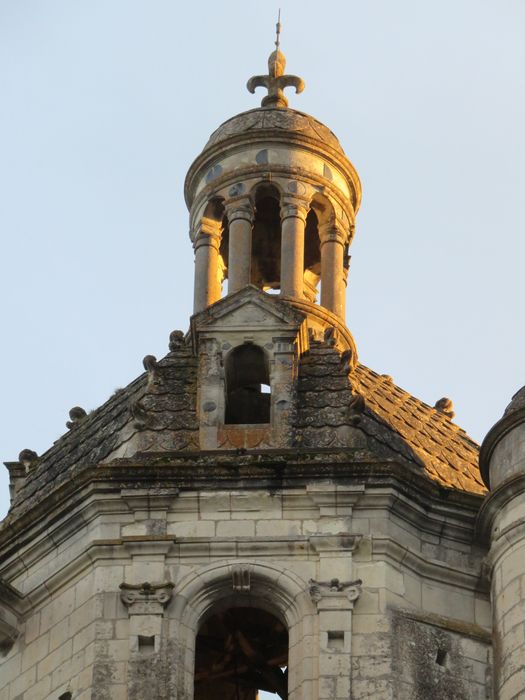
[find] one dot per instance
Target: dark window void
(312, 256)
(65, 696)
(441, 657)
(224, 253)
(266, 240)
(239, 652)
(248, 396)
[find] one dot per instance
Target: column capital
(239, 208)
(146, 598)
(334, 594)
(332, 231)
(208, 232)
(293, 207)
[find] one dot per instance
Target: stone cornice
(255, 469)
(239, 142)
(276, 171)
(111, 551)
(431, 569)
(467, 629)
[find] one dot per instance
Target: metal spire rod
(278, 31)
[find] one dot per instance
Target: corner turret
(502, 520)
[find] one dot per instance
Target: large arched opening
(239, 653)
(262, 586)
(215, 211)
(312, 256)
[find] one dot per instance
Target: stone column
(240, 220)
(293, 222)
(207, 285)
(332, 272)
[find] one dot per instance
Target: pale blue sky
(105, 103)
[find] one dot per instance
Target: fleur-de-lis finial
(275, 82)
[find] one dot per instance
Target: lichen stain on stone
(104, 673)
(428, 659)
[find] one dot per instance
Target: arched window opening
(215, 222)
(248, 395)
(223, 256)
(240, 652)
(266, 240)
(312, 256)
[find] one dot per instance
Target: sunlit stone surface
(258, 511)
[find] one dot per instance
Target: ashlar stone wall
(382, 598)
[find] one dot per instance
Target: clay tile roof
(157, 411)
(447, 453)
(167, 405)
(394, 421)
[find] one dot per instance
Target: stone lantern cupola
(272, 201)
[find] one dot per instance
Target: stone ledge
(468, 629)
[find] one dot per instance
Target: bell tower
(257, 510)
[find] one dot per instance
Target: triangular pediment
(249, 307)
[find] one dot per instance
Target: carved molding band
(146, 598)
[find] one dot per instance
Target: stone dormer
(249, 345)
